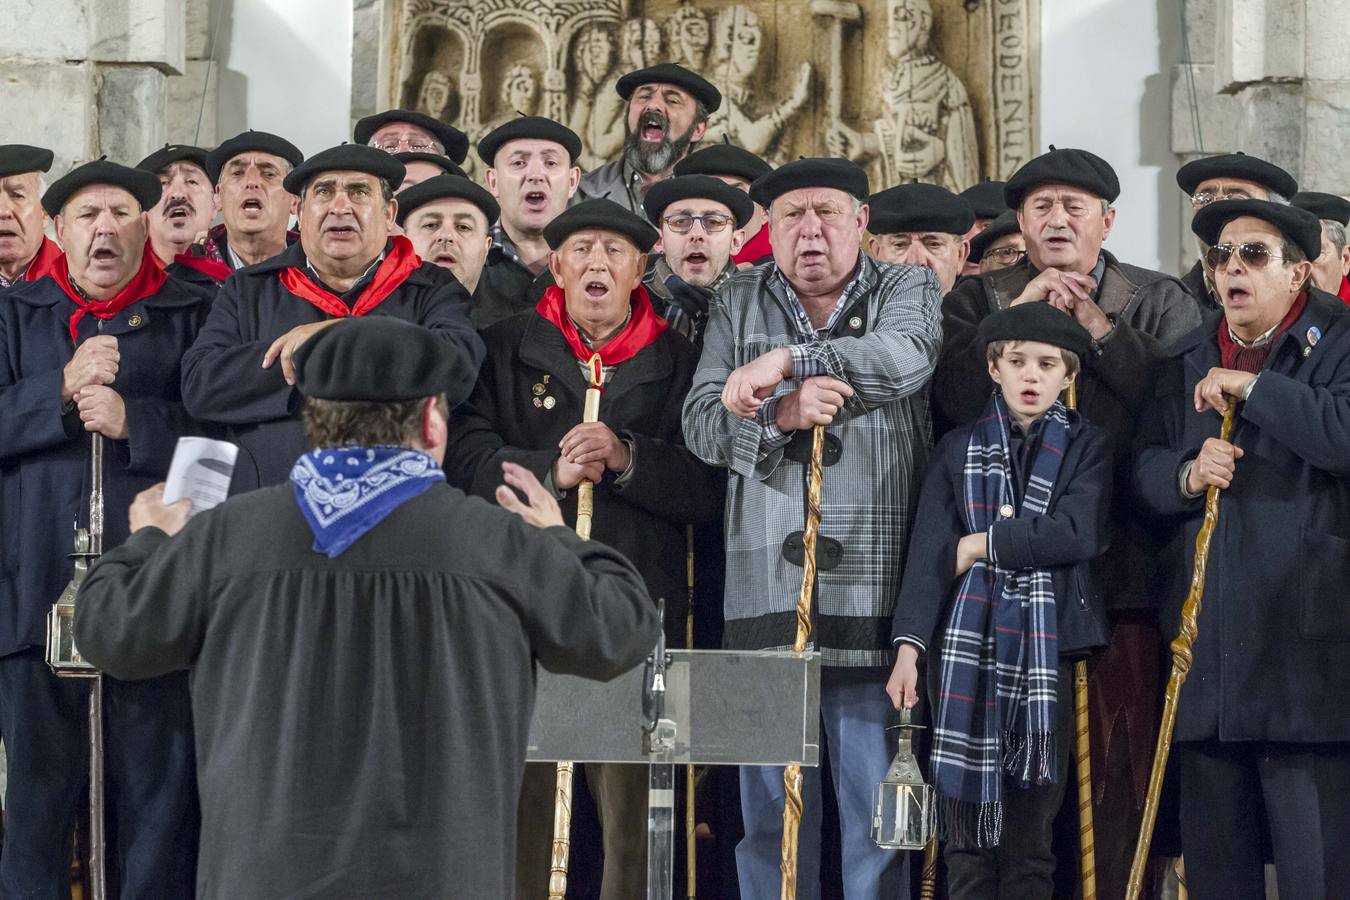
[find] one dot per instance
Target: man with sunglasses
(921, 224)
(999, 245)
(1063, 202)
(406, 131)
(701, 220)
(1228, 176)
(1262, 741)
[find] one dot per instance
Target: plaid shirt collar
(805, 330)
(503, 243)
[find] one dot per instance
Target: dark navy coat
(1272, 659)
(1066, 540)
(44, 450)
(223, 378)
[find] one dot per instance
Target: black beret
(169, 154)
(347, 158)
(810, 171)
(600, 213)
(443, 187)
(671, 73)
(251, 142)
(1004, 225)
(16, 159)
(142, 185)
(1038, 322)
(1298, 225)
(1236, 165)
(1077, 168)
(380, 359)
(456, 142)
(723, 159)
(919, 207)
(1324, 206)
(446, 163)
(536, 128)
(986, 198)
(701, 187)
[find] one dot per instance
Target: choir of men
(355, 628)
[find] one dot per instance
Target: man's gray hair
(1335, 234)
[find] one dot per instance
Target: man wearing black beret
(668, 109)
(999, 245)
(186, 207)
(418, 167)
(986, 198)
(920, 224)
(700, 219)
(382, 626)
(93, 347)
(26, 253)
(596, 322)
(737, 167)
(532, 171)
(1262, 723)
(449, 219)
(1063, 201)
(1333, 264)
(404, 131)
(247, 171)
(240, 373)
(1227, 176)
(822, 336)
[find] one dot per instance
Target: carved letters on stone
(938, 90)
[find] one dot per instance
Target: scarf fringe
(1030, 759)
(965, 825)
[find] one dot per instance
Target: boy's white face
(1031, 375)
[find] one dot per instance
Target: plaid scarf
(998, 667)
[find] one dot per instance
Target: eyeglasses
(400, 144)
(1256, 255)
(1005, 256)
(712, 223)
(1204, 198)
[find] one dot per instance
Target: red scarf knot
(149, 278)
(643, 328)
(1253, 359)
(400, 262)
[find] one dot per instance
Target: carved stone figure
(688, 37)
(928, 131)
(595, 104)
(435, 94)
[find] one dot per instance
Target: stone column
(88, 77)
(200, 76)
(1270, 78)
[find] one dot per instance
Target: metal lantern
(904, 814)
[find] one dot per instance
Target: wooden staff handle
(562, 787)
(792, 775)
(1182, 658)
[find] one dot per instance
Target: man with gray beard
(668, 109)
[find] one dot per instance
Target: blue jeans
(854, 711)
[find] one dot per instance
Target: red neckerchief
(1253, 359)
(397, 265)
(1344, 292)
(148, 279)
(643, 327)
(755, 248)
(204, 264)
(45, 261)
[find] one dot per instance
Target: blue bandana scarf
(346, 491)
(998, 665)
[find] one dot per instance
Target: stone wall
(1270, 78)
(93, 77)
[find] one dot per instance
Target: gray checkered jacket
(885, 345)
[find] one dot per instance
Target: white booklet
(200, 471)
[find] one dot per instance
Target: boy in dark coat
(1014, 506)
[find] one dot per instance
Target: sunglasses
(1201, 199)
(1005, 255)
(712, 223)
(1256, 255)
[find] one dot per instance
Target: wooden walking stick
(690, 813)
(1086, 836)
(792, 775)
(1181, 667)
(562, 791)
